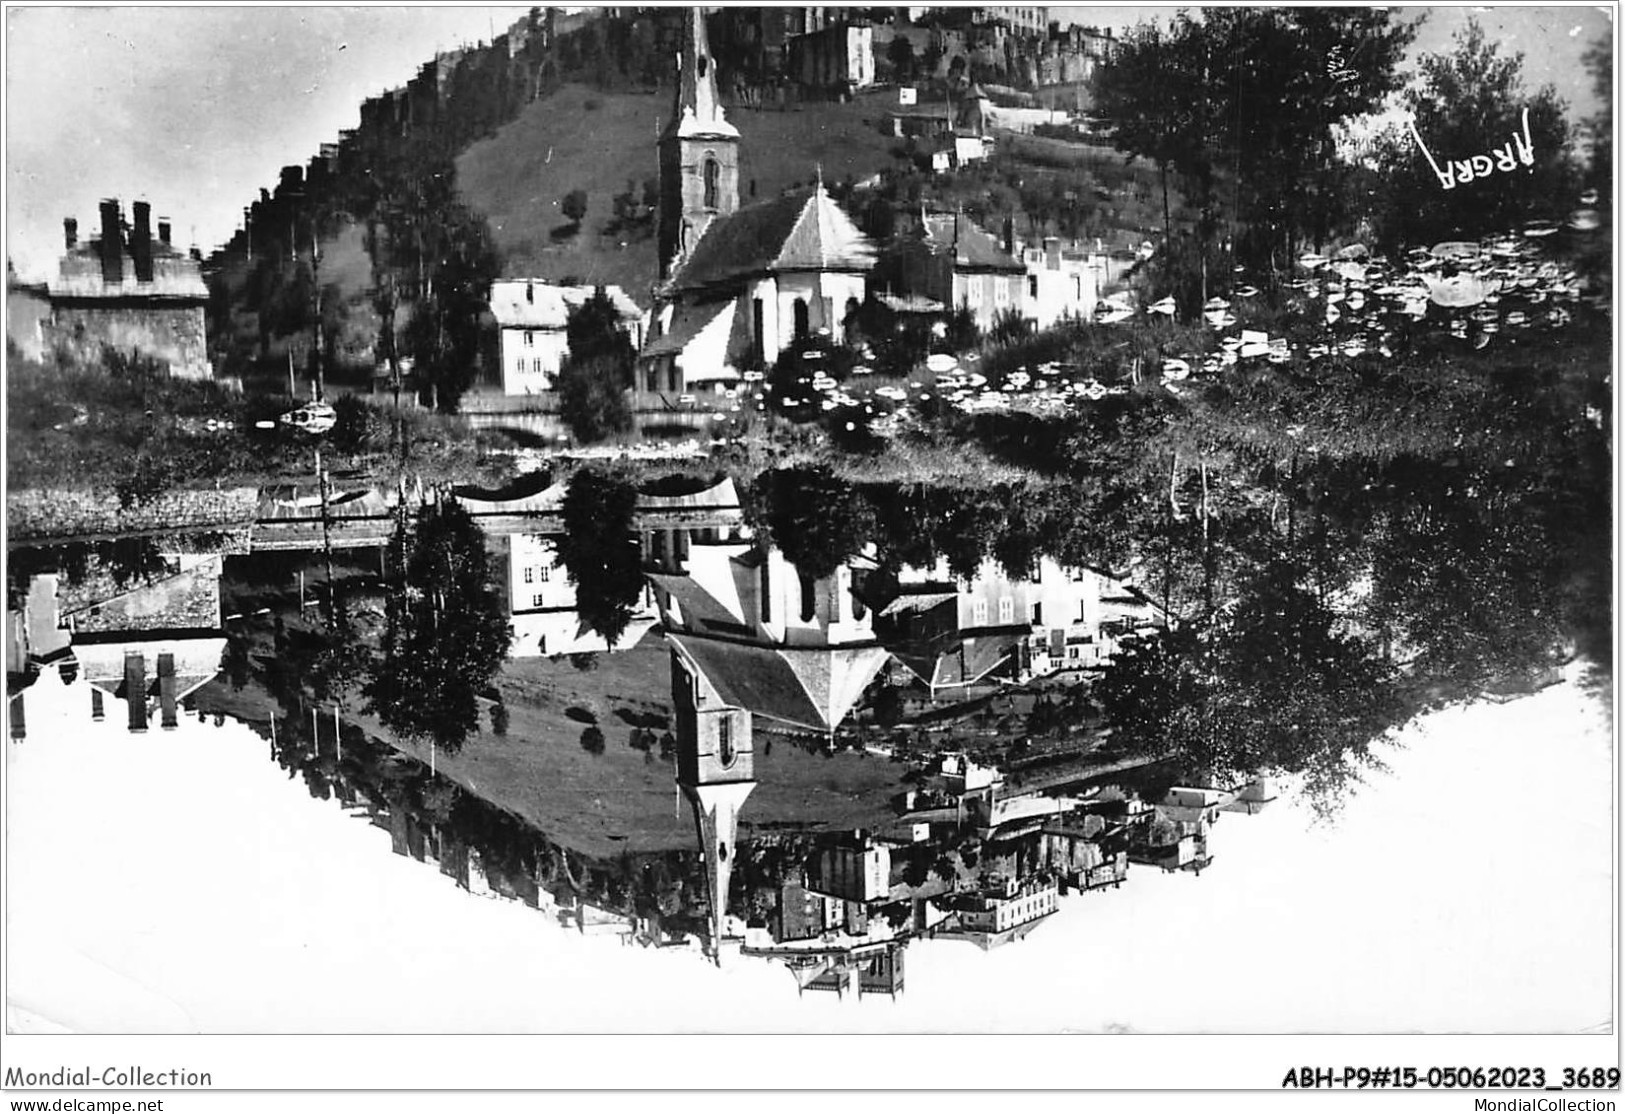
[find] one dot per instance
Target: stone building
(129, 289)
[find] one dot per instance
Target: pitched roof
(687, 323)
(972, 247)
(537, 304)
(797, 232)
(809, 687)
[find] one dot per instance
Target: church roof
(797, 232)
(688, 322)
(809, 687)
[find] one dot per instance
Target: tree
(591, 401)
(575, 206)
(598, 371)
(599, 552)
(592, 740)
(1471, 103)
(1599, 61)
(816, 519)
(446, 631)
(1243, 104)
(900, 53)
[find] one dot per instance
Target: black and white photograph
(1085, 525)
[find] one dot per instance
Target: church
(738, 286)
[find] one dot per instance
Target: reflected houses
(958, 636)
(150, 646)
(1000, 910)
(542, 605)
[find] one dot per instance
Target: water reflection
(1046, 719)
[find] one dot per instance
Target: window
(725, 741)
(530, 575)
(973, 293)
(1007, 610)
(519, 364)
(530, 339)
(1077, 288)
(544, 574)
(979, 613)
(537, 367)
(765, 587)
(1001, 293)
(1032, 286)
(802, 323)
(713, 172)
(1038, 614)
(1083, 611)
(538, 600)
(808, 610)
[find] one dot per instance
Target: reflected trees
(446, 632)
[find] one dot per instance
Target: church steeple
(716, 771)
(699, 153)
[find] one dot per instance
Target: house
(951, 260)
(1002, 910)
(1171, 843)
(739, 285)
(542, 605)
(954, 633)
(853, 868)
(1086, 849)
(839, 58)
(531, 317)
(801, 914)
(1062, 283)
(150, 646)
(128, 290)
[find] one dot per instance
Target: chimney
(166, 691)
(70, 232)
(1009, 236)
(97, 713)
(141, 241)
(1052, 252)
(112, 244)
(135, 691)
(19, 722)
(163, 231)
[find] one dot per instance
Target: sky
(196, 109)
(193, 887)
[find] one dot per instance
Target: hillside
(580, 138)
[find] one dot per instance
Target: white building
(542, 601)
(1061, 282)
(532, 315)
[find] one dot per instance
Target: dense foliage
(446, 629)
(600, 552)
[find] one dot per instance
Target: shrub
(359, 427)
(499, 719)
(592, 740)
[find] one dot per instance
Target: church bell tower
(716, 771)
(699, 153)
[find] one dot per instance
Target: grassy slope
(518, 177)
(596, 804)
